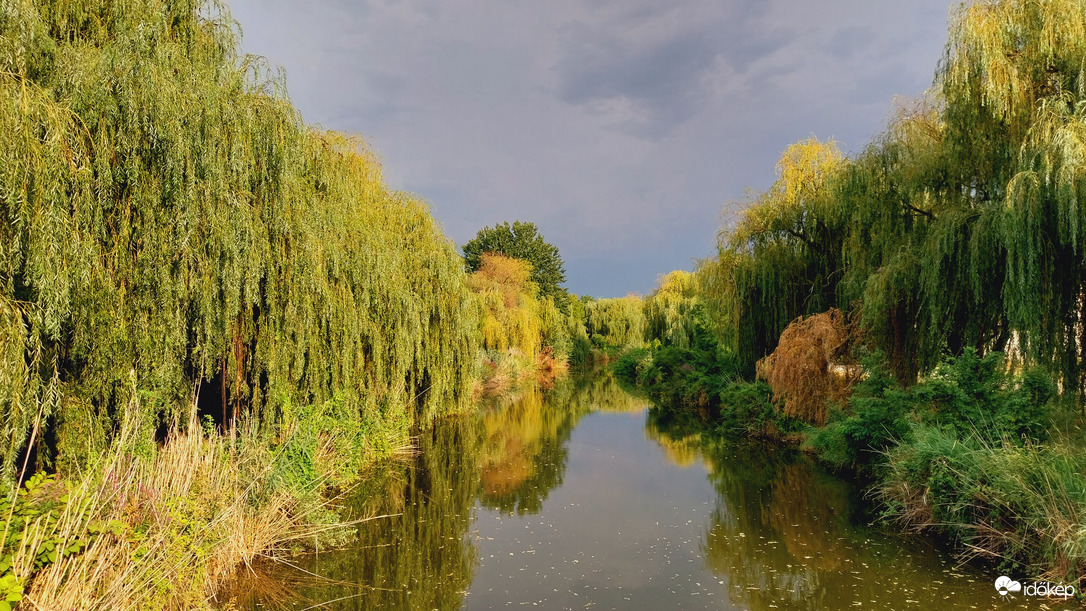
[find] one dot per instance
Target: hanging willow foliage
(781, 259)
(671, 311)
(511, 309)
(961, 226)
(618, 321)
(166, 217)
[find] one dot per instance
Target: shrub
(974, 395)
(803, 369)
(1020, 504)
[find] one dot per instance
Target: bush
(580, 352)
(746, 409)
(969, 397)
(802, 369)
(629, 367)
(974, 395)
(879, 421)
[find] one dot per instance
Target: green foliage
(969, 397)
(1021, 504)
(698, 379)
(673, 311)
(615, 323)
(976, 396)
(782, 258)
(747, 410)
(521, 241)
(960, 226)
(580, 352)
(166, 217)
(35, 511)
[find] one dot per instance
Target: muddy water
(578, 498)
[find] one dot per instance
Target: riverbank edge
(1011, 503)
(163, 526)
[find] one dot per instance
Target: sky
(628, 131)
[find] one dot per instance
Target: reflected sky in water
(578, 498)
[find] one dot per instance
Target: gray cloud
(620, 127)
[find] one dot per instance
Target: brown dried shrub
(812, 366)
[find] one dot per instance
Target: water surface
(578, 498)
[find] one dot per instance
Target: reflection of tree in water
(683, 448)
(803, 512)
(526, 439)
(524, 452)
(770, 532)
(420, 558)
(782, 534)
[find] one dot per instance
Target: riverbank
(969, 455)
(162, 526)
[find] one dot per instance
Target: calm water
(578, 499)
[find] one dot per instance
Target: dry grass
(164, 527)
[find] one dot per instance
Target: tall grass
(161, 527)
(1023, 506)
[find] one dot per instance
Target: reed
(162, 527)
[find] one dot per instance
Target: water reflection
(784, 534)
(418, 557)
(559, 499)
(526, 438)
(523, 455)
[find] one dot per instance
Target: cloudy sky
(622, 128)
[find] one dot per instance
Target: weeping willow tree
(781, 259)
(961, 226)
(967, 229)
(512, 313)
(167, 219)
(672, 311)
(618, 322)
(1017, 69)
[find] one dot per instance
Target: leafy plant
(521, 241)
(34, 513)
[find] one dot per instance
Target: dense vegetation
(524, 334)
(169, 222)
(958, 227)
(212, 315)
(521, 241)
(182, 255)
(912, 311)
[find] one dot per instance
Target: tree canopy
(521, 241)
(166, 219)
(961, 226)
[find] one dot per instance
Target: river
(578, 498)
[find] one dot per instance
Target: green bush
(746, 409)
(878, 422)
(38, 504)
(974, 395)
(968, 397)
(580, 352)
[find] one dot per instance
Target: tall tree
(167, 219)
(521, 241)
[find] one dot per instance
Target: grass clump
(162, 527)
(1020, 505)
